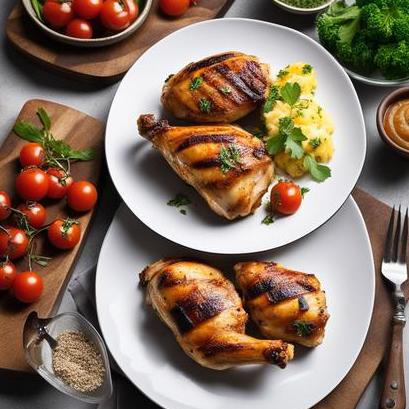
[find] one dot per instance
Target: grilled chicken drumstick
(205, 314)
(285, 304)
(221, 88)
(225, 164)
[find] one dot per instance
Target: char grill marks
(207, 62)
(203, 138)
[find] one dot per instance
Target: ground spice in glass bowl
(77, 362)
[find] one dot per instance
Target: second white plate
(146, 182)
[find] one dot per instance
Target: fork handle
(394, 395)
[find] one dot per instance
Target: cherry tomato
(79, 29)
(285, 197)
(87, 9)
(13, 242)
(28, 287)
(174, 8)
(32, 154)
(115, 15)
(133, 9)
(35, 213)
(32, 184)
(58, 183)
(57, 13)
(82, 196)
(8, 274)
(5, 203)
(64, 234)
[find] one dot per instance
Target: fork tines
(396, 242)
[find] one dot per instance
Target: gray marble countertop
(385, 175)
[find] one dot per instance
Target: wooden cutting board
(80, 131)
(105, 64)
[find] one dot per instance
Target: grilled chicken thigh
(285, 304)
(205, 314)
(220, 88)
(225, 164)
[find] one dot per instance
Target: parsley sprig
(229, 157)
(303, 328)
(195, 83)
(180, 201)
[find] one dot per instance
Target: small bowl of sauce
(393, 120)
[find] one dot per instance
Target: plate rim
(266, 247)
(123, 207)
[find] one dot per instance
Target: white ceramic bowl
(92, 42)
(302, 10)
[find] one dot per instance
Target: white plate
(339, 253)
(146, 182)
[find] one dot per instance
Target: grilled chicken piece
(225, 164)
(204, 312)
(285, 304)
(220, 88)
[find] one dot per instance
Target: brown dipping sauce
(396, 123)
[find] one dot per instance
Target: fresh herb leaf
(275, 144)
(304, 190)
(38, 9)
(195, 83)
(229, 157)
(269, 219)
(318, 172)
(307, 69)
(225, 90)
(315, 142)
(63, 150)
(297, 135)
(303, 328)
(272, 98)
(28, 132)
(40, 260)
(294, 148)
(282, 73)
(290, 93)
(205, 105)
(44, 118)
(179, 200)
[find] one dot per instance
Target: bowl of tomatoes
(88, 23)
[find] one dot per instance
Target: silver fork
(394, 269)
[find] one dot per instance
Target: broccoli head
(400, 28)
(357, 55)
(392, 60)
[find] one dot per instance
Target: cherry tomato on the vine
(174, 8)
(8, 273)
(58, 183)
(82, 196)
(28, 287)
(115, 15)
(79, 28)
(87, 9)
(32, 154)
(32, 184)
(35, 213)
(286, 197)
(13, 242)
(57, 13)
(64, 234)
(5, 203)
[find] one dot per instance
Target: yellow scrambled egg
(307, 114)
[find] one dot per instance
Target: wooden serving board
(106, 64)
(80, 131)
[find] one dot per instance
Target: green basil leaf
(44, 118)
(28, 132)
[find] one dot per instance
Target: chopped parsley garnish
(229, 157)
(272, 98)
(169, 77)
(180, 200)
(282, 73)
(318, 172)
(303, 328)
(183, 211)
(269, 219)
(290, 93)
(225, 90)
(319, 112)
(307, 69)
(205, 105)
(195, 83)
(304, 190)
(315, 142)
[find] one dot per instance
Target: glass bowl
(38, 352)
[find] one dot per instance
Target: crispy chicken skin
(222, 88)
(285, 304)
(204, 312)
(194, 153)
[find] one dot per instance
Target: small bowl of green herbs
(303, 6)
(370, 38)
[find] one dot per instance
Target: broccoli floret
(327, 32)
(400, 28)
(357, 55)
(392, 60)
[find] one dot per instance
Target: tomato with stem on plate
(82, 196)
(13, 242)
(32, 184)
(64, 234)
(87, 9)
(8, 274)
(32, 154)
(285, 197)
(115, 15)
(79, 28)
(174, 8)
(28, 287)
(57, 13)
(35, 213)
(5, 204)
(58, 183)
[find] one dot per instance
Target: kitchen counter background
(385, 175)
